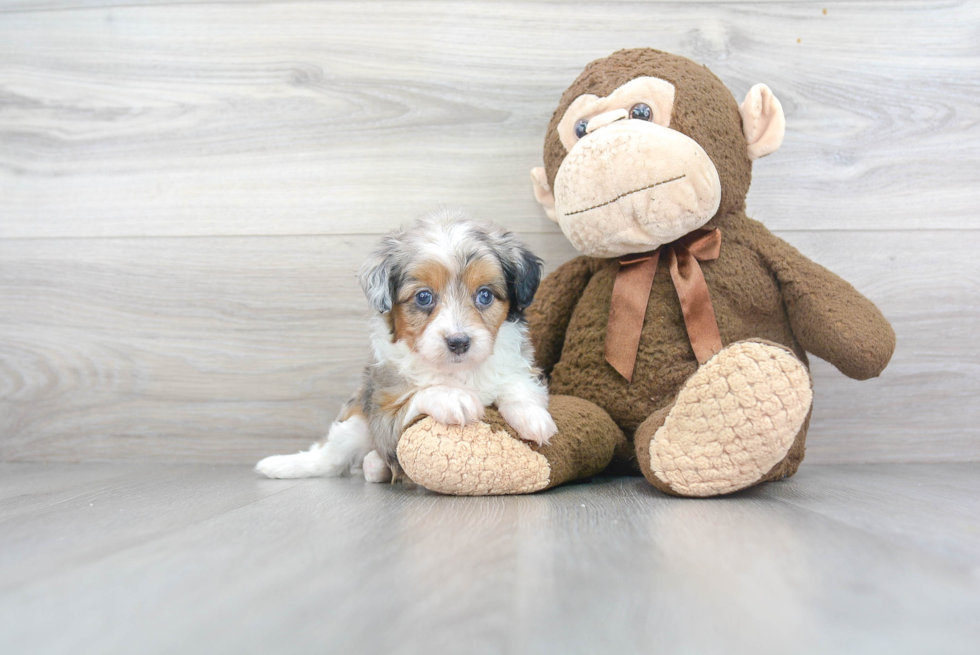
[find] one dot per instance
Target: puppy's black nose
(458, 343)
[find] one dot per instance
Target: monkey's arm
(829, 317)
(549, 314)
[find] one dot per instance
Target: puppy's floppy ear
(378, 273)
(522, 270)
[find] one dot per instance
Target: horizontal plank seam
(233, 3)
(378, 234)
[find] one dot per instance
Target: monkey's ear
(763, 121)
(542, 192)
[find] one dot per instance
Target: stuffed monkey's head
(646, 147)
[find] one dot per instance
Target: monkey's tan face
(630, 183)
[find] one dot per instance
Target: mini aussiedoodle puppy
(448, 338)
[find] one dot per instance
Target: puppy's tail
(345, 447)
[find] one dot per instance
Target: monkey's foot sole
(733, 421)
(474, 460)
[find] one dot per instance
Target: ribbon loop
(692, 291)
(627, 310)
(631, 293)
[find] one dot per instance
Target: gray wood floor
(110, 558)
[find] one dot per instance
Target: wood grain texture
(228, 349)
(215, 349)
(343, 118)
(197, 559)
(187, 188)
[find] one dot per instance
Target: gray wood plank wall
(186, 190)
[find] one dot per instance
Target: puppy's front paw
(375, 469)
(449, 405)
(532, 422)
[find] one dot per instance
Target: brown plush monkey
(678, 341)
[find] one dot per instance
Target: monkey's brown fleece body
(772, 305)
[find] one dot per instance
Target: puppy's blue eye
(581, 127)
(641, 111)
(423, 298)
(484, 297)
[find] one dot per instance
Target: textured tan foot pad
(470, 461)
(733, 421)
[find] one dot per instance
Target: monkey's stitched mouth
(623, 195)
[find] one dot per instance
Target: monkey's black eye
(484, 297)
(641, 112)
(423, 298)
(581, 127)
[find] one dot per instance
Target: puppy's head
(447, 283)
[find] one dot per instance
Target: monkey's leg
(739, 420)
(488, 459)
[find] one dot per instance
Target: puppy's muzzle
(458, 343)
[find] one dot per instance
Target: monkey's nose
(605, 119)
(458, 343)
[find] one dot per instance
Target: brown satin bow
(631, 293)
